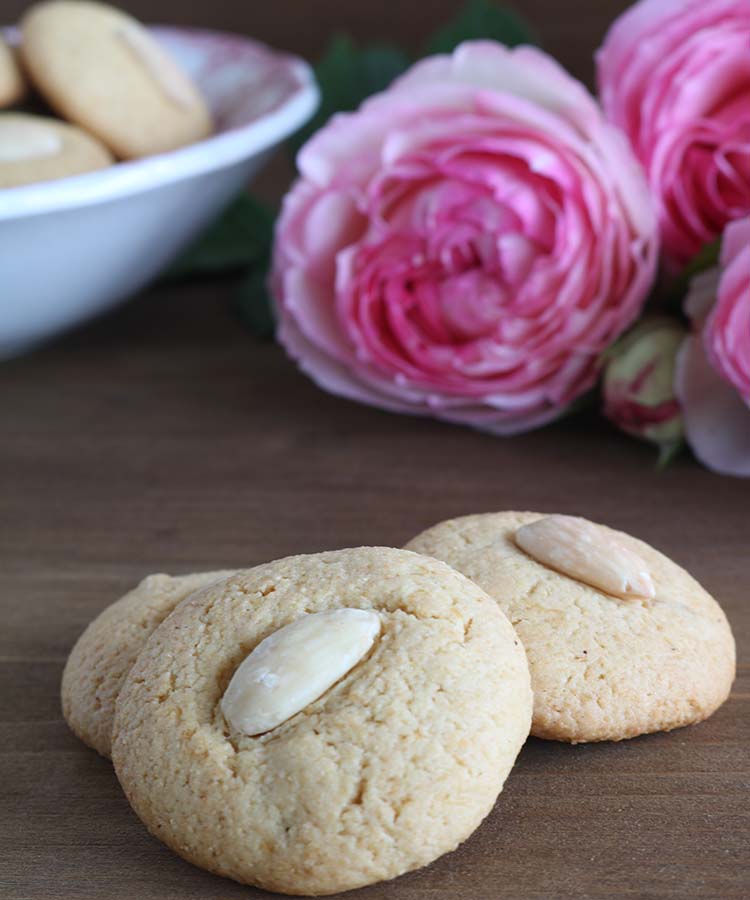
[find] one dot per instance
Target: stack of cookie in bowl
(117, 93)
(323, 722)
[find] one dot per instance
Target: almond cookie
(98, 67)
(620, 640)
(323, 722)
(107, 649)
(35, 148)
(12, 84)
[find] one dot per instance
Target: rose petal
(717, 422)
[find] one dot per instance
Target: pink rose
(675, 76)
(466, 244)
(713, 372)
(727, 332)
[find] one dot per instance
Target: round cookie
(394, 765)
(107, 649)
(12, 84)
(35, 148)
(602, 668)
(98, 67)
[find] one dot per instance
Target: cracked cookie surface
(105, 652)
(393, 766)
(602, 668)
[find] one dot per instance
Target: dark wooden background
(570, 30)
(164, 437)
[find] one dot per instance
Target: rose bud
(638, 384)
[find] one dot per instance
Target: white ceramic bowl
(74, 247)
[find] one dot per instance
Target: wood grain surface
(569, 30)
(164, 437)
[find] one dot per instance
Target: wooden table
(164, 437)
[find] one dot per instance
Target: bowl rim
(210, 154)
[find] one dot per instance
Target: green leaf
(347, 75)
(254, 304)
(669, 452)
(707, 258)
(237, 239)
(481, 19)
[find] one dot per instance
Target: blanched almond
(164, 71)
(295, 665)
(22, 139)
(587, 552)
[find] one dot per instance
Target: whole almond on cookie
(296, 665)
(621, 641)
(588, 553)
(36, 148)
(418, 702)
